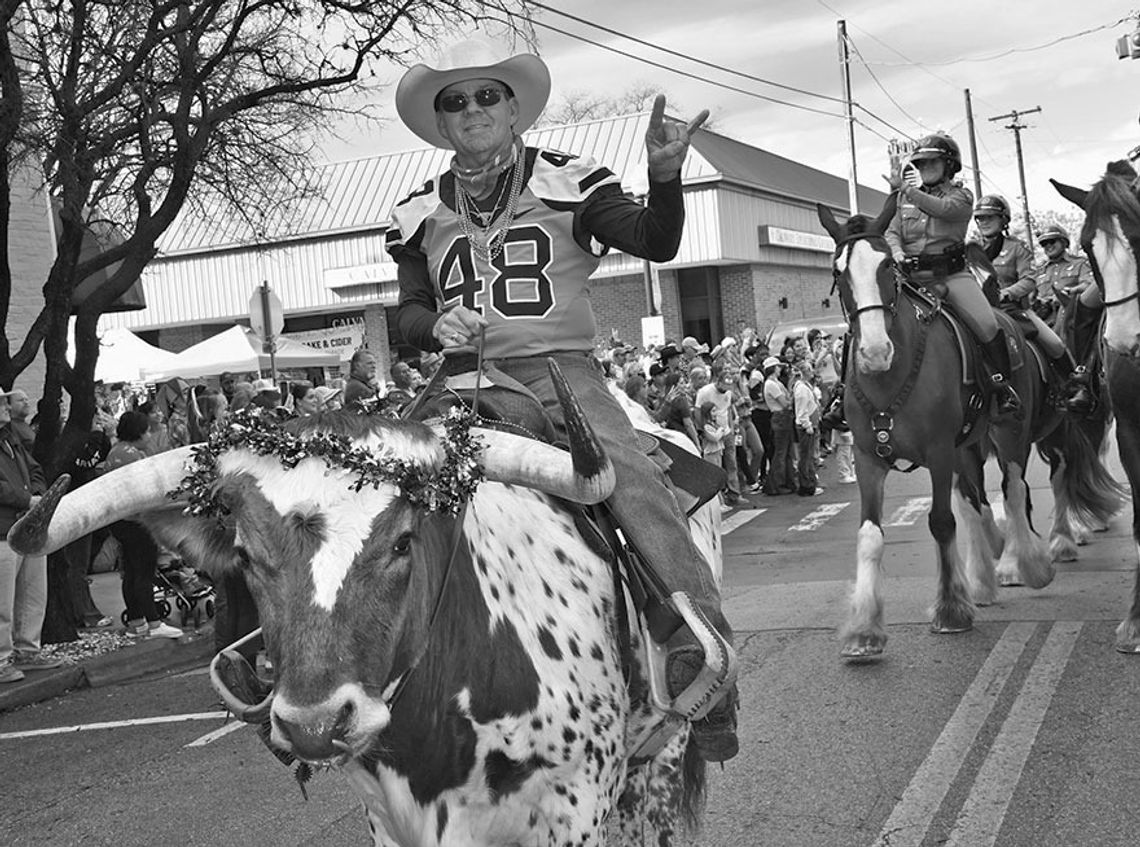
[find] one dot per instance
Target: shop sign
(343, 339)
(774, 236)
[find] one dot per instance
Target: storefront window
(699, 293)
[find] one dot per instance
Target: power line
(697, 77)
(882, 88)
(708, 64)
(686, 56)
(1013, 50)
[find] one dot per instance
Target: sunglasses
(1047, 241)
(483, 97)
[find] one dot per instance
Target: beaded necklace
(487, 232)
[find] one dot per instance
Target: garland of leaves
(260, 432)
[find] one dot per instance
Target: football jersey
(535, 293)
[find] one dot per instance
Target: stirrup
(704, 692)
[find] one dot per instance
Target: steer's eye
(402, 544)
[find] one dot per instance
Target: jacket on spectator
(20, 477)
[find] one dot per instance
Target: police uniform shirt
(930, 219)
(1062, 277)
(535, 293)
(1013, 266)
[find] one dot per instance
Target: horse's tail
(694, 786)
(1086, 488)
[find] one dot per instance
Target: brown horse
(1111, 239)
(907, 401)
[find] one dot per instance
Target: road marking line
(816, 519)
(88, 727)
(220, 732)
(909, 512)
(984, 810)
(911, 817)
(739, 519)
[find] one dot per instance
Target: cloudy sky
(914, 61)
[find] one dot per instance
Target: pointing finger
(657, 116)
(696, 122)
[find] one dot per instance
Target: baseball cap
(689, 342)
(771, 362)
(261, 385)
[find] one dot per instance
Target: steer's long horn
(585, 475)
(138, 487)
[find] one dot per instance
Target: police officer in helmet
(1013, 264)
(927, 237)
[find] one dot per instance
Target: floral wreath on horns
(445, 489)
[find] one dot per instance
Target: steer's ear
(829, 222)
(1071, 193)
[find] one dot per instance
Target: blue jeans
(642, 501)
(781, 465)
(23, 601)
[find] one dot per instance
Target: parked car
(833, 324)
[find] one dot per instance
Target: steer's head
(345, 580)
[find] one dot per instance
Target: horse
(1110, 238)
(906, 400)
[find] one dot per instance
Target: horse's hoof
(950, 629)
(863, 649)
(1014, 581)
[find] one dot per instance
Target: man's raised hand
(667, 141)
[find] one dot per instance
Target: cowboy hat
(525, 74)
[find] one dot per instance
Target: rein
(883, 420)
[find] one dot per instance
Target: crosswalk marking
(818, 517)
(909, 512)
(739, 519)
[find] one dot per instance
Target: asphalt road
(1020, 733)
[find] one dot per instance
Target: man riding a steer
(495, 255)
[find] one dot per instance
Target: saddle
(502, 402)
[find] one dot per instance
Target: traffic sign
(266, 314)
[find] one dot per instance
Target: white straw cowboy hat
(525, 74)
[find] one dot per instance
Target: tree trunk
(60, 618)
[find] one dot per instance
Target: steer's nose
(311, 733)
(347, 720)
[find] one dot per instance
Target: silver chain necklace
(485, 232)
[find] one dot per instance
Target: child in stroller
(192, 592)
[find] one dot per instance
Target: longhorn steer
(512, 728)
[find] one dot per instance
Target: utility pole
(848, 109)
(1017, 127)
(973, 147)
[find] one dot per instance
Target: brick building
(753, 252)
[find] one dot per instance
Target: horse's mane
(858, 225)
(1113, 194)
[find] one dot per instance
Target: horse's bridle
(851, 312)
(1087, 248)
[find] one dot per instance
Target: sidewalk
(146, 657)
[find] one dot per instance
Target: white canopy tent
(239, 349)
(122, 355)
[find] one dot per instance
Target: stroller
(191, 592)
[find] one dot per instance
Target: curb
(132, 662)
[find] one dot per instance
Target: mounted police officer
(927, 238)
(1017, 287)
(1064, 276)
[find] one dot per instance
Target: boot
(997, 359)
(1074, 382)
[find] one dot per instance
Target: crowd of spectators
(768, 418)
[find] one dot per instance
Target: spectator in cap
(266, 394)
(693, 353)
(676, 408)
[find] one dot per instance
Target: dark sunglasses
(458, 102)
(1047, 241)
